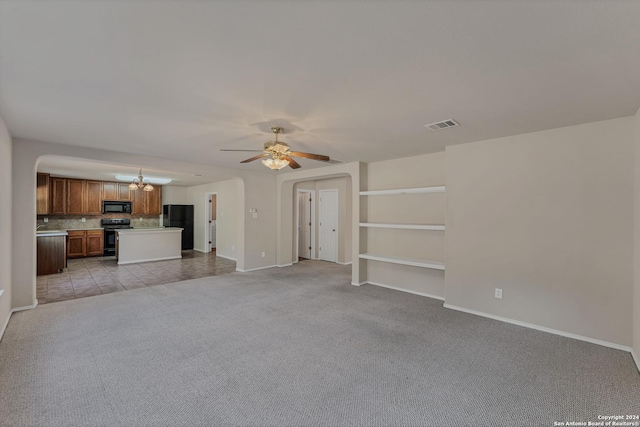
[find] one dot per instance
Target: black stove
(115, 223)
(110, 226)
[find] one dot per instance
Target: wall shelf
(418, 190)
(404, 261)
(404, 226)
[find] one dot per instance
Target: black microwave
(116, 207)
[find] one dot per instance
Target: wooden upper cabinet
(43, 207)
(154, 201)
(58, 195)
(75, 196)
(146, 202)
(93, 198)
(138, 202)
(109, 191)
(115, 191)
(123, 192)
(83, 197)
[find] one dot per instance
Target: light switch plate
(498, 293)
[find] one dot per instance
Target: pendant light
(140, 183)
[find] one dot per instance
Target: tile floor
(87, 277)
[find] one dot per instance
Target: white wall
(5, 225)
(26, 154)
(636, 252)
(172, 195)
(547, 217)
(228, 213)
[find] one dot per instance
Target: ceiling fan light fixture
(147, 187)
(275, 164)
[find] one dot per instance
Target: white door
(304, 225)
(213, 206)
(328, 239)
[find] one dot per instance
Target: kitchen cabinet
(95, 243)
(43, 207)
(123, 192)
(138, 202)
(77, 244)
(115, 191)
(93, 198)
(84, 243)
(51, 254)
(58, 195)
(146, 202)
(75, 196)
(154, 201)
(109, 191)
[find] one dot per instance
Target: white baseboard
(541, 328)
(344, 263)
(255, 269)
(14, 310)
(226, 257)
(26, 307)
(199, 250)
(422, 294)
(4, 327)
(358, 284)
(285, 265)
(635, 359)
(149, 260)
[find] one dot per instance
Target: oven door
(109, 242)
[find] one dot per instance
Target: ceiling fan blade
(229, 149)
(310, 156)
(259, 156)
(292, 163)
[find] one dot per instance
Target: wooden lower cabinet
(95, 242)
(84, 243)
(51, 251)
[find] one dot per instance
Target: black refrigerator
(180, 216)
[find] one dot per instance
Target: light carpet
(296, 346)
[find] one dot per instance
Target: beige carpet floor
(296, 346)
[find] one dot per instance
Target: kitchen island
(148, 244)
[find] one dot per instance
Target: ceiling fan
(279, 153)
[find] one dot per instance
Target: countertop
(149, 230)
(84, 229)
(51, 233)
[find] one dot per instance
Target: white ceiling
(351, 79)
(74, 168)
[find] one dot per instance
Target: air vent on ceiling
(445, 124)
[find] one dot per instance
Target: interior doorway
(211, 218)
(328, 230)
(305, 220)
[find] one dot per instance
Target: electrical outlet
(255, 214)
(263, 254)
(46, 220)
(84, 219)
(498, 293)
(140, 219)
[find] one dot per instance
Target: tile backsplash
(74, 222)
